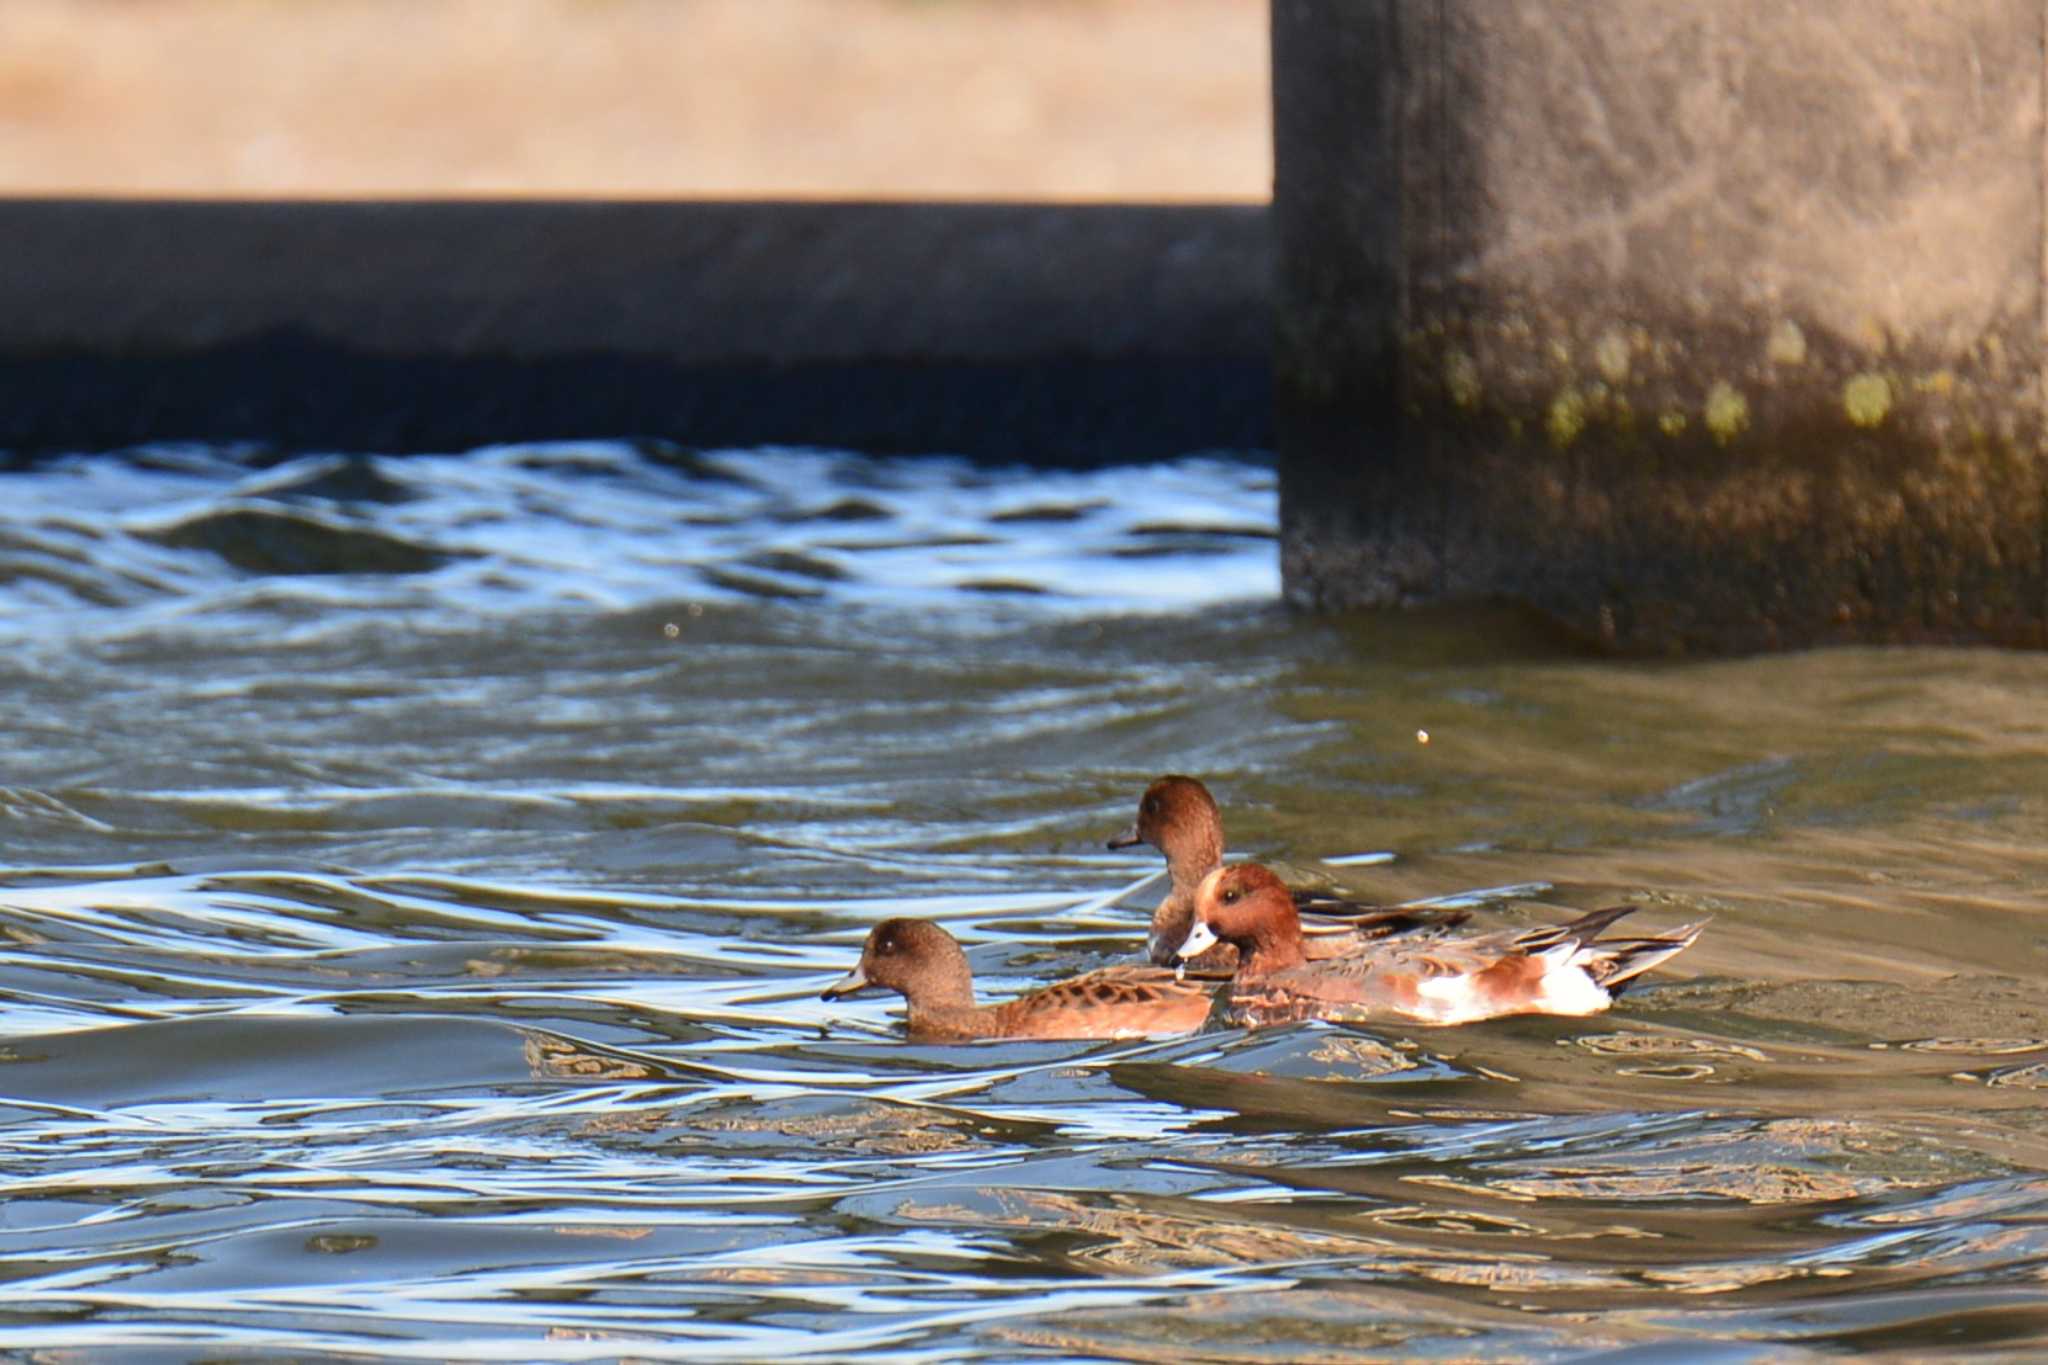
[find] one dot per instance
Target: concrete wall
(1007, 332)
(1695, 323)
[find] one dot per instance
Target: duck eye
(1151, 805)
(1232, 895)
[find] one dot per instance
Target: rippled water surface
(420, 875)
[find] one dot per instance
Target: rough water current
(420, 874)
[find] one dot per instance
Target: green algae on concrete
(1611, 354)
(1461, 379)
(1726, 411)
(1787, 345)
(1567, 417)
(1866, 398)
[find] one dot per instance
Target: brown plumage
(923, 963)
(1177, 816)
(1557, 969)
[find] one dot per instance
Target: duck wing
(1433, 980)
(1111, 1002)
(1333, 934)
(1379, 982)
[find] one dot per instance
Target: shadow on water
(419, 955)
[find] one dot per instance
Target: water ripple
(199, 537)
(421, 875)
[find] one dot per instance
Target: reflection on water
(420, 876)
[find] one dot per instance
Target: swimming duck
(924, 964)
(1557, 969)
(1177, 816)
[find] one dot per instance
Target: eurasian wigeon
(923, 963)
(1177, 816)
(1558, 969)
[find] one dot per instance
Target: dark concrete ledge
(1054, 334)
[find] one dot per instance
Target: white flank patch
(1450, 1000)
(1563, 989)
(1568, 990)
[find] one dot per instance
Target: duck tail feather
(1580, 932)
(1621, 961)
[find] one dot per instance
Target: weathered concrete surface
(1695, 325)
(1012, 332)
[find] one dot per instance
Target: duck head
(919, 961)
(1177, 816)
(1249, 907)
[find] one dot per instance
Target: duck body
(1330, 928)
(924, 964)
(1179, 817)
(1562, 969)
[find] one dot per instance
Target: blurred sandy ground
(1051, 99)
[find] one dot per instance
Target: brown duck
(1177, 816)
(1558, 969)
(923, 963)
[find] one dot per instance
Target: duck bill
(1129, 838)
(855, 980)
(1201, 938)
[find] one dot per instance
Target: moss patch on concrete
(1866, 398)
(1757, 485)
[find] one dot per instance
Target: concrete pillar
(1698, 324)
